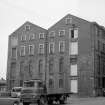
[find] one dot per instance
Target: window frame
(24, 47)
(39, 51)
(23, 37)
(70, 20)
(12, 52)
(27, 27)
(61, 50)
(63, 30)
(40, 66)
(52, 35)
(70, 47)
(61, 83)
(41, 35)
(71, 70)
(51, 86)
(51, 52)
(74, 33)
(32, 45)
(31, 36)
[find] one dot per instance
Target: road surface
(70, 101)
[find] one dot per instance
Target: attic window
(68, 20)
(27, 27)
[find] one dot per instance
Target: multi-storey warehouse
(70, 56)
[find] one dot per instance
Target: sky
(45, 13)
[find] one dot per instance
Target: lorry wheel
(42, 101)
(26, 103)
(16, 103)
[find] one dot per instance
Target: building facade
(3, 85)
(69, 56)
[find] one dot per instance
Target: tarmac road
(8, 101)
(70, 101)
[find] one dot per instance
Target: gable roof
(69, 15)
(24, 24)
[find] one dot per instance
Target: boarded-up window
(73, 70)
(74, 86)
(73, 48)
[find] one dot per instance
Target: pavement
(86, 101)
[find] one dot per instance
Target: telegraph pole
(46, 54)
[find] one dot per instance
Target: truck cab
(32, 92)
(16, 92)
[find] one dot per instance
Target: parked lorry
(35, 91)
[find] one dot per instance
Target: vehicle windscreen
(16, 90)
(33, 84)
(30, 84)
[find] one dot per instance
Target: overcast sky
(13, 13)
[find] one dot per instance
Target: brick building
(69, 56)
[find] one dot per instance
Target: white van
(16, 92)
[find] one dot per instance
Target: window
(14, 41)
(51, 47)
(14, 52)
(30, 68)
(22, 51)
(60, 83)
(27, 27)
(61, 32)
(41, 48)
(103, 47)
(31, 36)
(61, 64)
(23, 37)
(61, 46)
(13, 70)
(41, 35)
(21, 70)
(73, 33)
(96, 31)
(73, 70)
(31, 49)
(52, 34)
(73, 50)
(40, 66)
(74, 86)
(68, 20)
(51, 65)
(51, 83)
